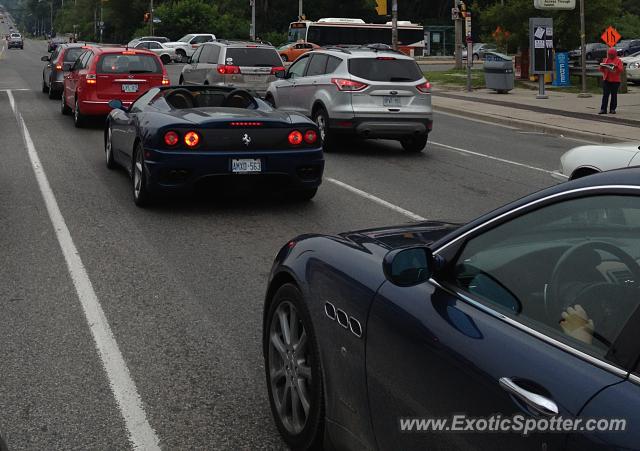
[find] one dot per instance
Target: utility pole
(101, 19)
(394, 24)
(252, 34)
(583, 54)
(457, 51)
(300, 13)
(151, 17)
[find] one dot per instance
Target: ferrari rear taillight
(295, 138)
(171, 139)
(310, 136)
(191, 139)
(277, 69)
(91, 79)
(226, 69)
(344, 84)
(424, 87)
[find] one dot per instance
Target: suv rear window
(72, 54)
(248, 56)
(118, 63)
(380, 69)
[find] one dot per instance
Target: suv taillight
(348, 85)
(165, 80)
(91, 79)
(424, 87)
(226, 69)
(277, 69)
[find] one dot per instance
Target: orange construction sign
(610, 36)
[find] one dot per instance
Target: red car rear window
(118, 63)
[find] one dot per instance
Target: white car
(633, 69)
(586, 160)
(166, 54)
(187, 45)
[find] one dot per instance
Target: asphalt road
(182, 284)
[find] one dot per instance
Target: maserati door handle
(538, 403)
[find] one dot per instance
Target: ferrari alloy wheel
(78, 118)
(321, 118)
(414, 144)
(64, 109)
(292, 365)
(108, 149)
(141, 196)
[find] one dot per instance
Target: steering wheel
(231, 100)
(592, 293)
(180, 98)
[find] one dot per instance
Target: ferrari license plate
(391, 101)
(129, 88)
(246, 165)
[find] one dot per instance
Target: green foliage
(274, 37)
(628, 25)
(514, 17)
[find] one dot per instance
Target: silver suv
(245, 65)
(370, 92)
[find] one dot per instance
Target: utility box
(498, 72)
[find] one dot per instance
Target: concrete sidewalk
(562, 113)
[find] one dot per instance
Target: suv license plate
(391, 101)
(246, 165)
(129, 88)
(255, 78)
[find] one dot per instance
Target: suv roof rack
(335, 48)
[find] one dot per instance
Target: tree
(514, 17)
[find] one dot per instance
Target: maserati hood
(409, 234)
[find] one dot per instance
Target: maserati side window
(569, 270)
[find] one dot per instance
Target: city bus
(339, 31)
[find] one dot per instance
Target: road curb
(533, 126)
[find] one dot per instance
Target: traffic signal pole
(394, 24)
(457, 51)
(583, 54)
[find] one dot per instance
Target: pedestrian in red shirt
(611, 68)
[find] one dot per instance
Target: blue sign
(562, 77)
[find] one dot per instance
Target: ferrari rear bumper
(183, 170)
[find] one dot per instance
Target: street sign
(455, 14)
(554, 4)
(467, 24)
(610, 36)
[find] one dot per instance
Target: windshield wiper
(263, 65)
(400, 79)
(142, 71)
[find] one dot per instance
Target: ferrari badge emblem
(246, 139)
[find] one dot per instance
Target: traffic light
(383, 7)
(147, 17)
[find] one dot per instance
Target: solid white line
(473, 119)
(377, 200)
(141, 434)
(491, 157)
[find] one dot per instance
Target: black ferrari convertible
(176, 138)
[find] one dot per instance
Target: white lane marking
(15, 89)
(491, 157)
(473, 119)
(377, 200)
(141, 434)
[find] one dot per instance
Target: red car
(102, 74)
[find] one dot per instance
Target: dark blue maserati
(177, 137)
(530, 312)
